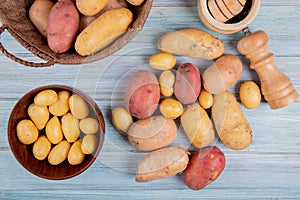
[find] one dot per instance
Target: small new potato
(250, 95)
(191, 42)
(27, 132)
(39, 115)
(45, 98)
(61, 106)
(78, 107)
(90, 7)
(162, 61)
(59, 153)
(121, 119)
(166, 83)
(75, 155)
(170, 108)
(205, 99)
(39, 13)
(54, 130)
(70, 127)
(162, 163)
(41, 148)
(89, 125)
(89, 144)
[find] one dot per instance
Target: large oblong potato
(197, 125)
(232, 126)
(152, 133)
(103, 31)
(63, 24)
(191, 42)
(162, 163)
(142, 94)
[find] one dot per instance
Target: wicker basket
(14, 18)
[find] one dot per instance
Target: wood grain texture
(268, 169)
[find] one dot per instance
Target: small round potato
(59, 153)
(89, 144)
(250, 94)
(78, 107)
(166, 83)
(64, 96)
(170, 108)
(121, 119)
(27, 131)
(41, 148)
(89, 125)
(45, 98)
(75, 155)
(205, 99)
(162, 61)
(39, 115)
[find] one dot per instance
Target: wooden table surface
(268, 169)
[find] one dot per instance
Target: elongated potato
(191, 42)
(103, 31)
(222, 74)
(63, 24)
(152, 133)
(90, 7)
(142, 94)
(232, 126)
(187, 85)
(162, 163)
(197, 126)
(39, 13)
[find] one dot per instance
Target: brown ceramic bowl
(23, 153)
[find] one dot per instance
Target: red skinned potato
(63, 23)
(187, 84)
(205, 166)
(142, 94)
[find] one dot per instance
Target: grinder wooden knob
(276, 87)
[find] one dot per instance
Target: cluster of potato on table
(89, 25)
(59, 127)
(186, 95)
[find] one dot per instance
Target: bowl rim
(29, 95)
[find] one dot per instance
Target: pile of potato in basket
(183, 93)
(91, 24)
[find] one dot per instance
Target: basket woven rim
(41, 49)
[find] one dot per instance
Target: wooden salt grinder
(276, 87)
